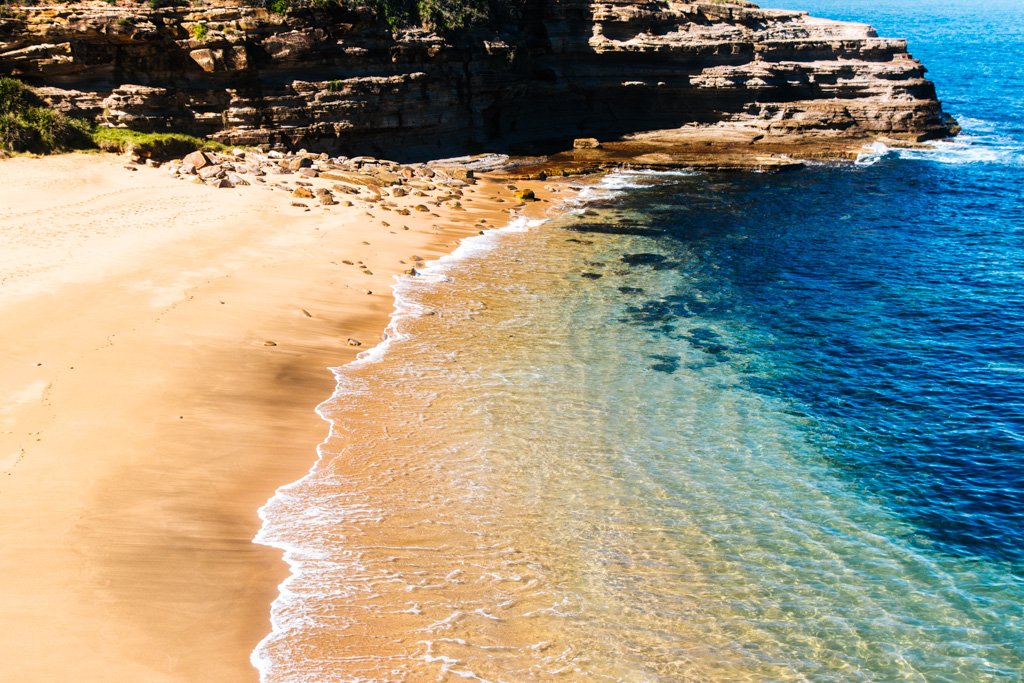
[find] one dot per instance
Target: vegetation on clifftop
(445, 16)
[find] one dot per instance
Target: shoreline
(211, 317)
(251, 301)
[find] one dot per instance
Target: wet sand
(165, 345)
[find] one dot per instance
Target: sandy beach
(166, 345)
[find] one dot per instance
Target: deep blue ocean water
(893, 295)
(885, 304)
(707, 427)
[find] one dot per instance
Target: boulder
(197, 160)
(461, 174)
(586, 143)
(214, 171)
(302, 193)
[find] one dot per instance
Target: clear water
(735, 427)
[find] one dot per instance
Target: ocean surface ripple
(704, 427)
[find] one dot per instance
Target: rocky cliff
(339, 80)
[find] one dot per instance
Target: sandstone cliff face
(341, 82)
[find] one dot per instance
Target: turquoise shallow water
(735, 427)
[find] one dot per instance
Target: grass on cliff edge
(28, 125)
(151, 145)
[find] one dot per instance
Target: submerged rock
(643, 259)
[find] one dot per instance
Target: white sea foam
(874, 153)
(618, 182)
(979, 143)
(288, 516)
(284, 512)
(969, 149)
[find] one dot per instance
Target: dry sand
(147, 415)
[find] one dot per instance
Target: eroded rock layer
(340, 81)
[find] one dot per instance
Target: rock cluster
(339, 81)
(318, 178)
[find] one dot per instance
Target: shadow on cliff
(338, 79)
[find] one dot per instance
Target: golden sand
(164, 347)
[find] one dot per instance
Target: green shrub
(15, 135)
(199, 31)
(452, 15)
(55, 131)
(26, 125)
(12, 96)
